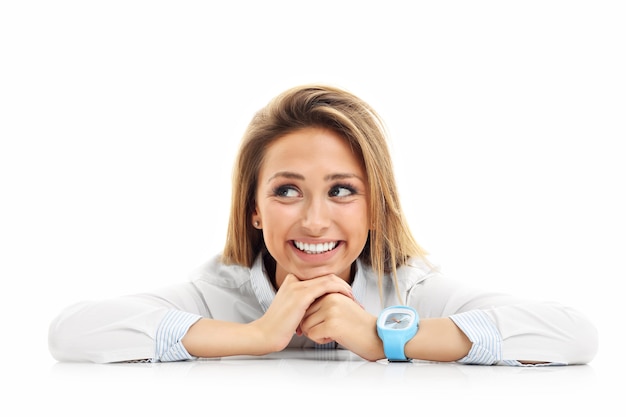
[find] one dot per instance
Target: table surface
(308, 382)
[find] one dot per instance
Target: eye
(286, 191)
(341, 191)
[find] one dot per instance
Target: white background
(119, 122)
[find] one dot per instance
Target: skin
(313, 190)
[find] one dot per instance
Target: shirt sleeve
(486, 340)
(507, 330)
(173, 327)
(139, 327)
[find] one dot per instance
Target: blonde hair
(390, 243)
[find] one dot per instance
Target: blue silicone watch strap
(394, 346)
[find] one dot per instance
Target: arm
(168, 325)
(465, 325)
(505, 329)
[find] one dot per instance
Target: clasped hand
(322, 309)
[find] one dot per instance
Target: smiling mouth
(315, 248)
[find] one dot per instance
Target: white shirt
(503, 329)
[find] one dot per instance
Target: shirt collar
(261, 285)
(265, 292)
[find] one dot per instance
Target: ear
(256, 219)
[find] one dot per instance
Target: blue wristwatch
(397, 325)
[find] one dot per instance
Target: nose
(316, 216)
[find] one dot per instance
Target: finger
(332, 283)
(329, 277)
(314, 330)
(308, 323)
(313, 308)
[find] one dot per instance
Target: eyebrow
(330, 177)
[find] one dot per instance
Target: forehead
(311, 149)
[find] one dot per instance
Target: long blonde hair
(390, 243)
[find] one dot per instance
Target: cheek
(356, 220)
(277, 215)
(358, 214)
(277, 219)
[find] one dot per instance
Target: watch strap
(393, 343)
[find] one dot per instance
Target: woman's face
(312, 204)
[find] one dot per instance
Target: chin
(312, 273)
(307, 275)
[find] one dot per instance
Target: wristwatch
(397, 325)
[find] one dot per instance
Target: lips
(315, 248)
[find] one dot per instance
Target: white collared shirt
(150, 326)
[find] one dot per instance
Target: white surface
(312, 382)
(119, 121)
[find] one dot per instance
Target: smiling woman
(318, 250)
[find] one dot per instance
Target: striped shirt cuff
(486, 339)
(173, 327)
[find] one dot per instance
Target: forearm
(209, 338)
(438, 339)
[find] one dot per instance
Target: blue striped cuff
(173, 327)
(486, 339)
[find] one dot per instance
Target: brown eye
(341, 191)
(286, 191)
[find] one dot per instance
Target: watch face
(398, 320)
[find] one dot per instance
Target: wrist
(375, 349)
(263, 340)
(397, 325)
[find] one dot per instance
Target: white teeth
(315, 248)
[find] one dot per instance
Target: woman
(317, 251)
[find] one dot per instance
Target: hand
(292, 302)
(342, 319)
